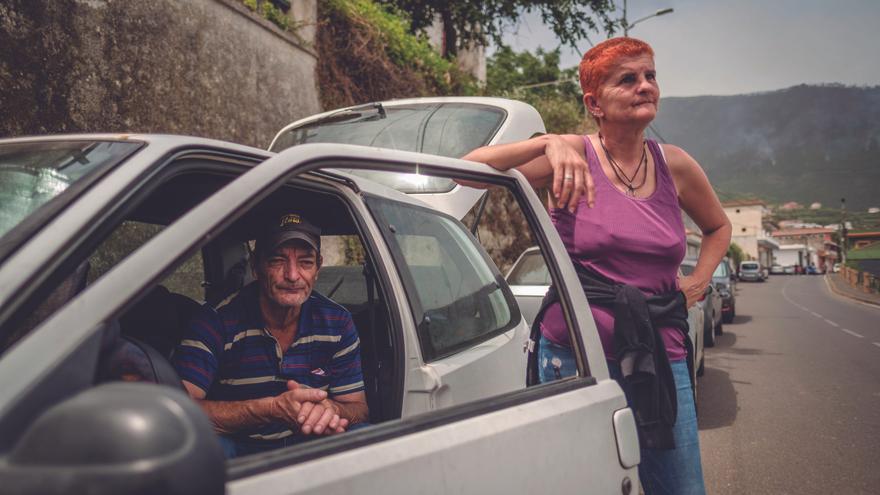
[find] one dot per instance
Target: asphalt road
(790, 399)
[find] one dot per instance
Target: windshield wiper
(373, 111)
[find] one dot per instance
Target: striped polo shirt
(230, 354)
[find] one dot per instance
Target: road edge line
(844, 295)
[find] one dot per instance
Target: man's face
(287, 274)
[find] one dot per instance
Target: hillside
(804, 144)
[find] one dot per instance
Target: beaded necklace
(621, 175)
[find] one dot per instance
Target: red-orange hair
(600, 59)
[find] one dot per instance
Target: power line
(657, 133)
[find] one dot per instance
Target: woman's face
(629, 94)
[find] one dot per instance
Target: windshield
(749, 266)
(444, 129)
(32, 174)
(531, 270)
(720, 270)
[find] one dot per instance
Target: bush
(273, 14)
(368, 54)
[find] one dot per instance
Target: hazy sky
(731, 47)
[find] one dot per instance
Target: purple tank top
(635, 241)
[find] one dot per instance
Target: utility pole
(843, 230)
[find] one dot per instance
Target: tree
(735, 253)
(514, 75)
(466, 22)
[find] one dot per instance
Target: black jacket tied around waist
(638, 348)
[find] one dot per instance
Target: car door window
(188, 279)
(162, 200)
(460, 298)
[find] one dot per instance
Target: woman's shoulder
(684, 169)
(577, 141)
(573, 139)
(678, 160)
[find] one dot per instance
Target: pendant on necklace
(632, 192)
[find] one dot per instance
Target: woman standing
(618, 210)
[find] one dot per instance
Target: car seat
(159, 319)
(124, 358)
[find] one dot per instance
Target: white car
(121, 235)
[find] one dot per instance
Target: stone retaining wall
(208, 68)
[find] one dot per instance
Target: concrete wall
(200, 67)
(471, 60)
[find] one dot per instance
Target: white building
(796, 255)
(747, 219)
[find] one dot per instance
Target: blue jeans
(676, 471)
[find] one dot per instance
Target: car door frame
(567, 400)
(39, 261)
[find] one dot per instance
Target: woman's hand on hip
(571, 174)
(692, 288)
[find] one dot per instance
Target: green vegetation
(805, 143)
(467, 23)
(536, 79)
(369, 54)
(273, 14)
(861, 220)
(736, 254)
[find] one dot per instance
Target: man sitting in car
(279, 362)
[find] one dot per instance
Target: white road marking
(876, 343)
(831, 323)
(854, 334)
(817, 315)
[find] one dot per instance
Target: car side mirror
(132, 438)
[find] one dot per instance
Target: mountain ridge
(803, 143)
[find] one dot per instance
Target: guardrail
(861, 280)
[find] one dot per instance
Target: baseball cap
(287, 227)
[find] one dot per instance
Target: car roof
(514, 109)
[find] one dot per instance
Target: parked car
(711, 305)
(750, 271)
(529, 280)
(835, 268)
(725, 282)
(812, 270)
(789, 270)
(119, 237)
(776, 270)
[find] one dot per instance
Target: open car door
(511, 442)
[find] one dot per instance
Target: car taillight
(704, 297)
